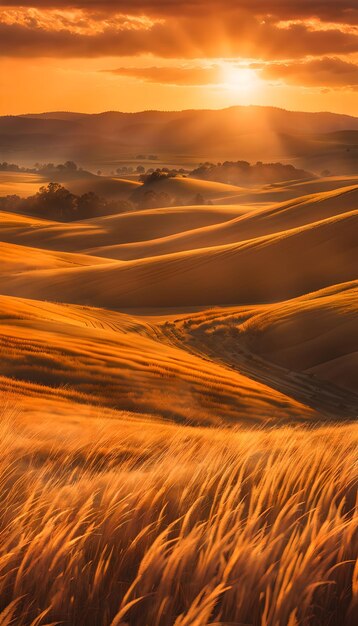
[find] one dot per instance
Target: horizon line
(188, 110)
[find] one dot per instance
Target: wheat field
(147, 522)
(190, 461)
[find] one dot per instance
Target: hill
(250, 133)
(117, 360)
(17, 259)
(253, 222)
(314, 333)
(113, 229)
(296, 261)
(306, 346)
(180, 190)
(247, 309)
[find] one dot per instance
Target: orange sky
(86, 55)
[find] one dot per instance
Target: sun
(240, 79)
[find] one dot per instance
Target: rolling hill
(293, 345)
(296, 261)
(254, 222)
(114, 229)
(312, 334)
(211, 314)
(251, 133)
(113, 359)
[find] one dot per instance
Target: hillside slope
(115, 360)
(112, 229)
(296, 262)
(252, 223)
(242, 314)
(294, 345)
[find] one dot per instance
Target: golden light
(240, 79)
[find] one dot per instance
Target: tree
(90, 205)
(71, 165)
(11, 203)
(54, 199)
(57, 203)
(153, 200)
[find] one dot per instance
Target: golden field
(179, 390)
(155, 523)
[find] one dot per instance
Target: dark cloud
(178, 38)
(345, 11)
(327, 72)
(22, 41)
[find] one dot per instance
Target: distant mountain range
(315, 141)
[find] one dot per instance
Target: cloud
(186, 76)
(344, 11)
(326, 72)
(208, 37)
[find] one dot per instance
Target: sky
(130, 55)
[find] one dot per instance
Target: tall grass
(148, 524)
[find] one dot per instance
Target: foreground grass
(144, 523)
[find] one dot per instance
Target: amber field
(178, 392)
(160, 524)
